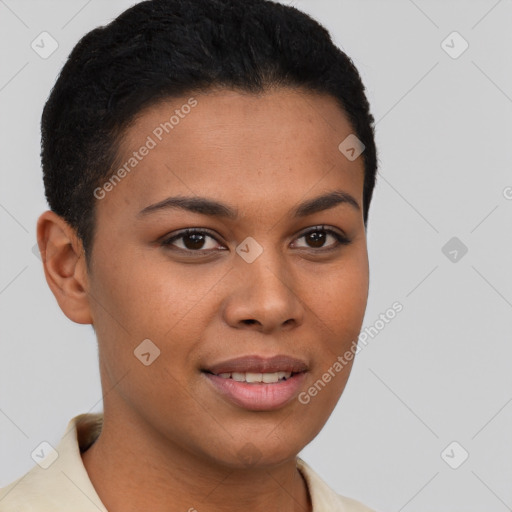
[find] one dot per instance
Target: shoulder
(351, 505)
(27, 493)
(325, 499)
(59, 482)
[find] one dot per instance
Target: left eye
(318, 236)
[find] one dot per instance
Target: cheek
(154, 301)
(142, 297)
(340, 308)
(342, 296)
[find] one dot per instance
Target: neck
(132, 470)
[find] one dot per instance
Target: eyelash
(340, 240)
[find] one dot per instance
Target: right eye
(192, 241)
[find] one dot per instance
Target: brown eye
(192, 240)
(316, 238)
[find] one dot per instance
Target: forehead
(224, 142)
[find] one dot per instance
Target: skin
(170, 441)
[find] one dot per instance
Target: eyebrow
(214, 208)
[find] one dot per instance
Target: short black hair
(159, 49)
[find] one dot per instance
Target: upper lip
(259, 364)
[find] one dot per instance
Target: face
(267, 273)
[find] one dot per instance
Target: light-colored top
(59, 481)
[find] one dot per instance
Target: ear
(64, 266)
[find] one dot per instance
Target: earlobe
(64, 266)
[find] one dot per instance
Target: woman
(209, 166)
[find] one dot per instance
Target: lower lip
(258, 396)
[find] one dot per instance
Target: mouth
(256, 364)
(256, 383)
(255, 377)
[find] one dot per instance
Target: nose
(263, 296)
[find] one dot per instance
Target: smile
(257, 391)
(267, 378)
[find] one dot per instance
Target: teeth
(253, 377)
(267, 378)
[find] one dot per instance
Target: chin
(258, 453)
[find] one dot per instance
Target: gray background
(440, 371)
